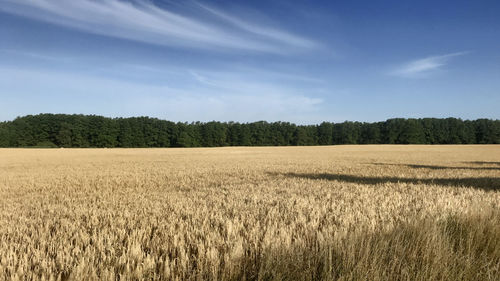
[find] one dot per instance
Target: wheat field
(264, 213)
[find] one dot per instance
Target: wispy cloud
(35, 55)
(265, 31)
(206, 98)
(143, 21)
(423, 67)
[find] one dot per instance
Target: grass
(286, 213)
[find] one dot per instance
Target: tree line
(62, 130)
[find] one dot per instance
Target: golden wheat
(286, 213)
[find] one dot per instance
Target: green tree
(370, 133)
(97, 131)
(64, 136)
(325, 133)
(4, 135)
(412, 132)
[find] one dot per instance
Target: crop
(263, 213)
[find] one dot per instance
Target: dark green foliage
(347, 133)
(213, 134)
(412, 132)
(4, 135)
(325, 133)
(61, 130)
(370, 133)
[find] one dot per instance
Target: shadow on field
(433, 167)
(485, 183)
(483, 163)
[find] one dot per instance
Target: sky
(300, 61)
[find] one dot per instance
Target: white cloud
(35, 55)
(141, 20)
(243, 108)
(264, 31)
(33, 91)
(422, 67)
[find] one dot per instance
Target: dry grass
(287, 213)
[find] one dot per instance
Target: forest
(63, 130)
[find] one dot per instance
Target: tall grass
(316, 213)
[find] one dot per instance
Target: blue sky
(298, 61)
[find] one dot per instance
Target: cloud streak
(35, 55)
(204, 99)
(423, 67)
(265, 31)
(143, 21)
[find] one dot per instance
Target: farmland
(374, 212)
